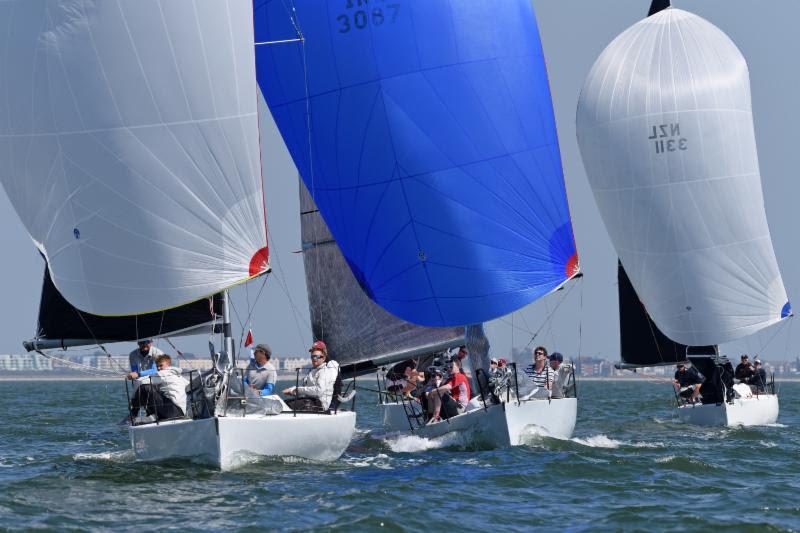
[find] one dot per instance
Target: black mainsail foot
(642, 343)
(62, 325)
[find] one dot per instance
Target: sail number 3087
(359, 19)
(667, 138)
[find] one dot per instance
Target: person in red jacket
(452, 397)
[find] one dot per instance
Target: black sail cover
(62, 325)
(641, 342)
(360, 335)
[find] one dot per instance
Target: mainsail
(61, 325)
(425, 133)
(360, 334)
(665, 129)
(131, 149)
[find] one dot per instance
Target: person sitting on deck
(165, 395)
(499, 379)
(758, 381)
(688, 382)
(260, 375)
(403, 377)
(744, 370)
(450, 399)
(540, 372)
(434, 380)
(316, 392)
(143, 359)
(563, 382)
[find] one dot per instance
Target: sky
(583, 317)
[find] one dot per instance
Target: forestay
(129, 147)
(425, 134)
(360, 334)
(666, 133)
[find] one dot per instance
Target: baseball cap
(144, 341)
(502, 362)
(318, 345)
(556, 356)
(494, 360)
(264, 348)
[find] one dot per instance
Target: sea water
(64, 463)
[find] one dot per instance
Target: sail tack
(129, 147)
(424, 132)
(665, 129)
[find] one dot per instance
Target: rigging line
(549, 317)
(580, 324)
(281, 41)
(284, 286)
(775, 334)
(94, 338)
(527, 330)
(80, 367)
(250, 311)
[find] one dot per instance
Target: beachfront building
(24, 363)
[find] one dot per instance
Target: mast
(658, 5)
(227, 337)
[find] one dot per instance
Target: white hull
(499, 425)
(756, 411)
(226, 442)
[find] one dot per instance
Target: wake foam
(414, 443)
(602, 441)
(119, 456)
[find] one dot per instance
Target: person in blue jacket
(260, 375)
(143, 359)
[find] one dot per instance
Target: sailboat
(433, 192)
(666, 133)
(129, 147)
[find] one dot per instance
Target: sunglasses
(316, 357)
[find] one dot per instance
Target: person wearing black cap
(758, 381)
(688, 382)
(260, 374)
(562, 383)
(744, 370)
(143, 359)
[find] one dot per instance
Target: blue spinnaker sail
(424, 131)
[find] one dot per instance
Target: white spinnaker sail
(129, 146)
(666, 133)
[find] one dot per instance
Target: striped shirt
(541, 379)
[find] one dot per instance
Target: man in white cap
(316, 391)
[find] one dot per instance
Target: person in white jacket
(163, 395)
(316, 391)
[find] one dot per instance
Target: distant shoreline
(291, 376)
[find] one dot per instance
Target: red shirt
(459, 388)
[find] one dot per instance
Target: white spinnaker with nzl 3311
(129, 147)
(665, 129)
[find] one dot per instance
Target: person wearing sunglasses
(316, 391)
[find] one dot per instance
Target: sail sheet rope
(550, 316)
